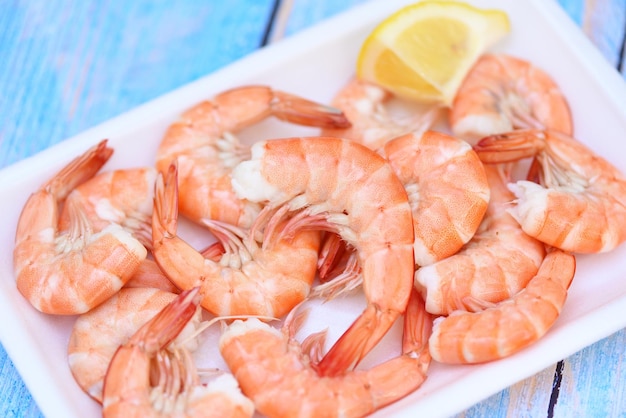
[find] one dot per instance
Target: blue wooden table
(68, 65)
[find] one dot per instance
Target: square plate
(315, 63)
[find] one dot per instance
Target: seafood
(71, 271)
(150, 377)
(276, 372)
(509, 326)
(372, 124)
(97, 334)
(502, 93)
(338, 185)
(247, 279)
(122, 197)
(150, 275)
(202, 141)
(579, 204)
(494, 265)
(447, 188)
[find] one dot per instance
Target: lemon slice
(423, 51)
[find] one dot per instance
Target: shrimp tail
(510, 147)
(357, 341)
(301, 111)
(79, 170)
(161, 330)
(165, 214)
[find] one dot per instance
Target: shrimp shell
(502, 93)
(511, 325)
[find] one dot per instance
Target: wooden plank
(604, 23)
(69, 66)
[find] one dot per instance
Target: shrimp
(494, 265)
(344, 187)
(206, 150)
(70, 272)
(502, 93)
(275, 371)
(144, 379)
(511, 325)
(150, 275)
(121, 196)
(579, 204)
(97, 334)
(364, 104)
(246, 279)
(447, 188)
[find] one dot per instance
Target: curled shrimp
(149, 376)
(71, 271)
(509, 326)
(502, 93)
(339, 185)
(494, 265)
(246, 279)
(579, 202)
(202, 141)
(447, 188)
(97, 334)
(276, 372)
(372, 124)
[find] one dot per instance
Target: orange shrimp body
(342, 186)
(502, 93)
(247, 279)
(206, 150)
(447, 188)
(71, 271)
(97, 334)
(502, 330)
(150, 377)
(494, 265)
(123, 197)
(579, 202)
(150, 275)
(364, 104)
(277, 375)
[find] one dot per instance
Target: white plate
(315, 63)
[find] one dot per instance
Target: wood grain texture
(67, 66)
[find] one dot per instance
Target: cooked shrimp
(494, 265)
(120, 196)
(203, 143)
(447, 188)
(97, 334)
(275, 371)
(364, 104)
(580, 203)
(502, 93)
(339, 185)
(246, 279)
(506, 328)
(150, 377)
(71, 271)
(150, 275)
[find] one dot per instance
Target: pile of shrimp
(462, 224)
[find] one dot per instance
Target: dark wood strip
(270, 23)
(556, 388)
